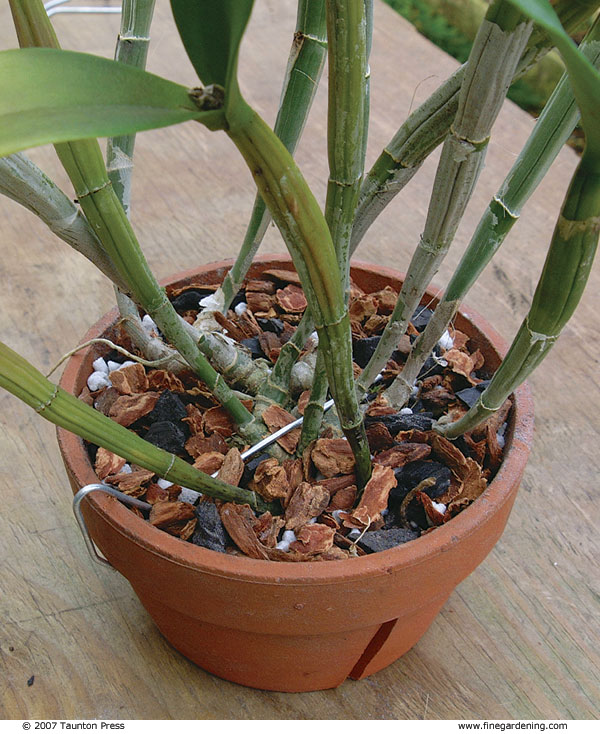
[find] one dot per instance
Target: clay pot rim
(422, 549)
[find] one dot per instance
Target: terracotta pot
(298, 626)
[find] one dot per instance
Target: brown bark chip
(291, 299)
(131, 483)
(293, 470)
(127, 409)
(379, 437)
(446, 452)
(155, 494)
(313, 539)
(210, 462)
(160, 380)
(107, 463)
(197, 445)
(270, 480)
(217, 419)
(285, 276)
(375, 496)
(434, 515)
(270, 344)
(260, 286)
(343, 499)
(171, 516)
(266, 529)
(463, 364)
(275, 418)
(335, 484)
(306, 502)
(403, 454)
(362, 308)
(194, 420)
(259, 302)
(238, 525)
(385, 300)
(130, 380)
(333, 456)
(232, 467)
(104, 400)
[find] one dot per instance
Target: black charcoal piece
(169, 407)
(401, 422)
(412, 474)
(421, 318)
(250, 467)
(189, 300)
(470, 395)
(210, 532)
(363, 350)
(380, 540)
(273, 325)
(254, 346)
(167, 435)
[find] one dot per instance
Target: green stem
(83, 162)
(304, 67)
(22, 181)
(555, 124)
(305, 232)
(346, 144)
(132, 49)
(314, 410)
(558, 292)
(488, 73)
(429, 124)
(65, 410)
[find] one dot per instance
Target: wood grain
(518, 639)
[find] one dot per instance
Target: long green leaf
(585, 80)
(49, 96)
(211, 31)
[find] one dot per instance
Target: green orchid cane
(346, 134)
(84, 164)
(21, 379)
(428, 125)
(489, 71)
(556, 122)
(573, 245)
(304, 67)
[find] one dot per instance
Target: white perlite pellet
(188, 495)
(100, 365)
(98, 380)
(289, 536)
(405, 411)
(164, 484)
(114, 366)
(439, 506)
(241, 308)
(446, 342)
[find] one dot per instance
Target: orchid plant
(51, 95)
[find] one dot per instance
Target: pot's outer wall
(298, 626)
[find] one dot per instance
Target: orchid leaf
(211, 31)
(52, 96)
(584, 78)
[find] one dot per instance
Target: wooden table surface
(518, 639)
